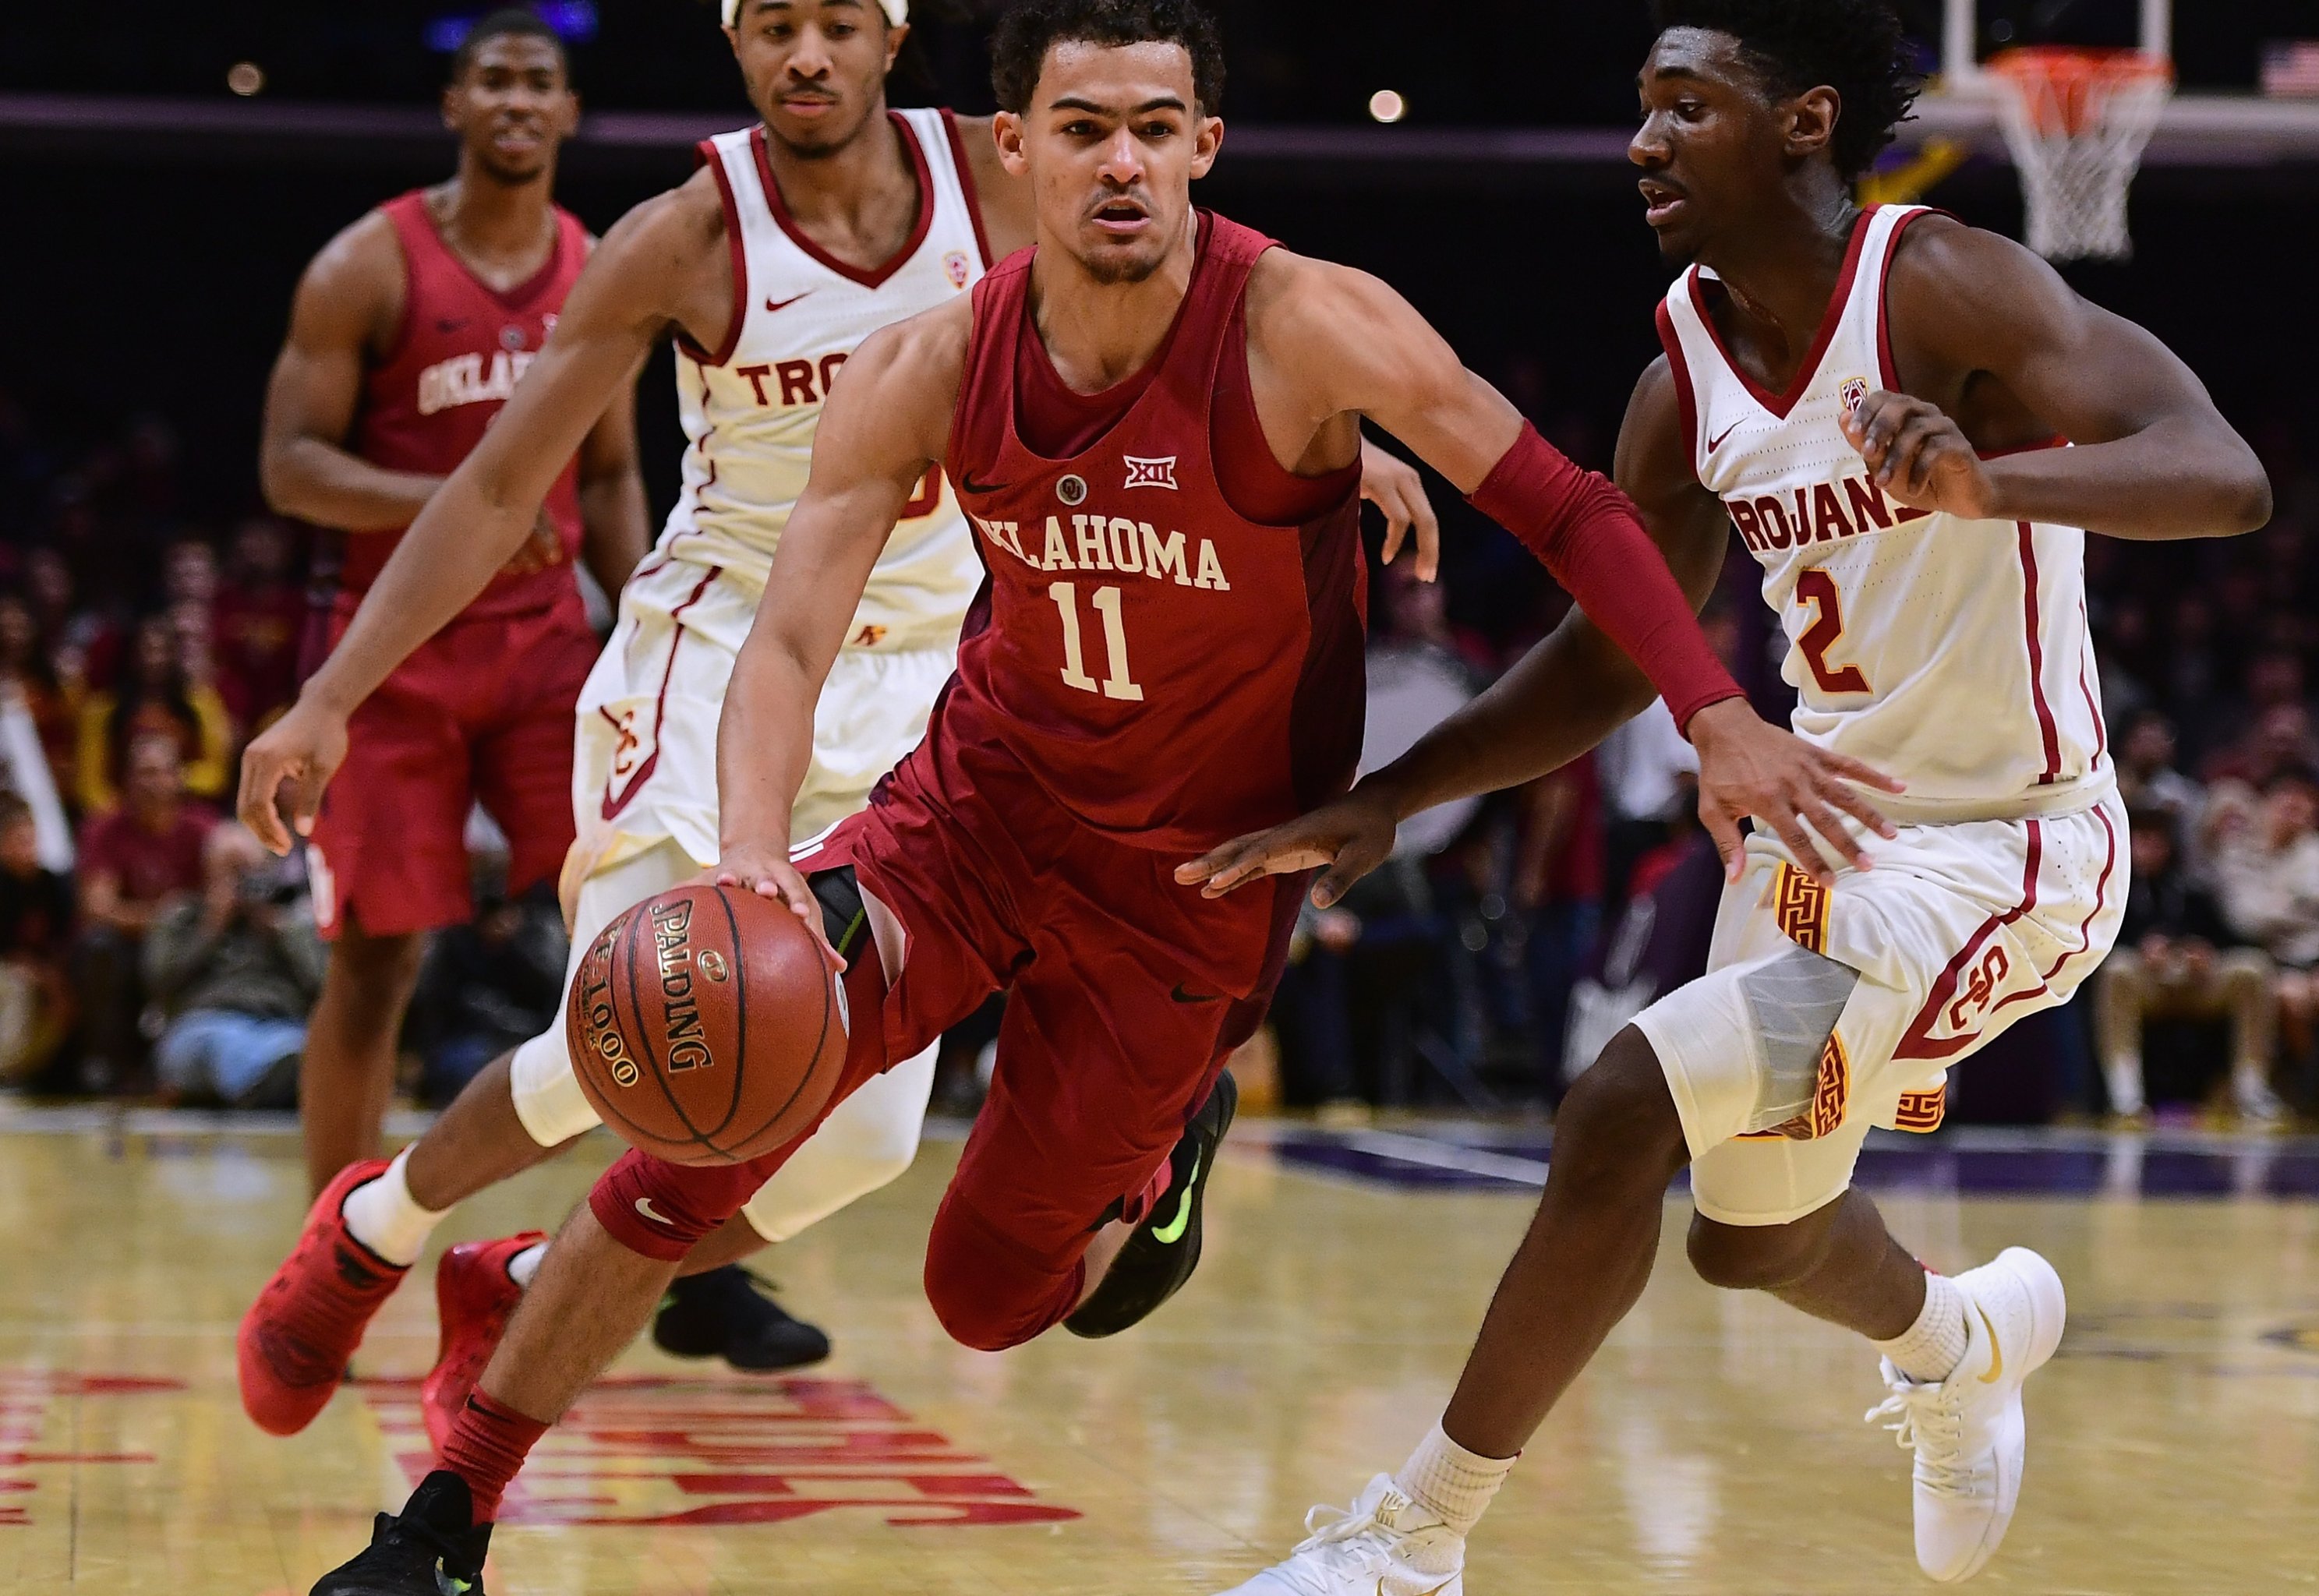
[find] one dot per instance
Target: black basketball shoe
(730, 1313)
(433, 1548)
(1165, 1248)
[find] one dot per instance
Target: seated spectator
(133, 860)
(2267, 874)
(154, 696)
(2280, 739)
(261, 619)
(2174, 960)
(2147, 779)
(27, 669)
(487, 986)
(235, 970)
(36, 1007)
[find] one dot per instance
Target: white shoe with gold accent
(1968, 1432)
(1384, 1545)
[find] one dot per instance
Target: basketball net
(2077, 121)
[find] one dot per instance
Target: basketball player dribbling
(1872, 400)
(406, 336)
(794, 241)
(1152, 418)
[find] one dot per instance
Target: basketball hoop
(2077, 121)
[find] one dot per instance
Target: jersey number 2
(1119, 683)
(1816, 588)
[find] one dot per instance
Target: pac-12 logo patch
(1854, 394)
(1152, 473)
(954, 267)
(1071, 490)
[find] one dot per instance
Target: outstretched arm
(884, 425)
(665, 263)
(1636, 632)
(2153, 460)
(350, 294)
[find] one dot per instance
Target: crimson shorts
(482, 710)
(1126, 993)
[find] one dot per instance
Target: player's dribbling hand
(1351, 838)
(768, 873)
(1393, 485)
(1919, 456)
(299, 753)
(1747, 767)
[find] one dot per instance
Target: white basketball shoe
(1967, 1430)
(1384, 1545)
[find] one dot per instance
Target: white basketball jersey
(1951, 654)
(750, 409)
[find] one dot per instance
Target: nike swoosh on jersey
(1169, 1234)
(1181, 995)
(1719, 440)
(785, 304)
(969, 484)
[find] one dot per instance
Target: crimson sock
(489, 1442)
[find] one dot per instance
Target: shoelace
(1933, 1429)
(1343, 1538)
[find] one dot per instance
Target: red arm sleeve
(1588, 536)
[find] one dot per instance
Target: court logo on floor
(717, 1453)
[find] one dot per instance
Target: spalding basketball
(706, 1025)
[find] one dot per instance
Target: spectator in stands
(1557, 884)
(2266, 873)
(154, 698)
(28, 669)
(36, 909)
(133, 859)
(2175, 960)
(486, 986)
(261, 618)
(2147, 779)
(235, 969)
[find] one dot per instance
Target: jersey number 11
(1119, 683)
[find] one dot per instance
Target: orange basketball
(706, 1026)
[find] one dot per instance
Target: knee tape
(1794, 1000)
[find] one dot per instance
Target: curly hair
(1855, 47)
(516, 21)
(1018, 49)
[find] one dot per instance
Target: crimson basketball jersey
(463, 347)
(1170, 672)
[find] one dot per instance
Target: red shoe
(295, 1339)
(473, 1297)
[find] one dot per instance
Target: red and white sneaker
(294, 1341)
(473, 1297)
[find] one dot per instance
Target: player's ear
(894, 37)
(451, 106)
(1207, 140)
(1007, 129)
(1812, 120)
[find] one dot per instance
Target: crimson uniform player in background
(1153, 419)
(409, 331)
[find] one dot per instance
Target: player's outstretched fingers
(261, 777)
(1723, 828)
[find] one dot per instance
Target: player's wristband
(1589, 535)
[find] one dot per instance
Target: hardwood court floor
(1716, 1448)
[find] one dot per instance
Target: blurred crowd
(149, 947)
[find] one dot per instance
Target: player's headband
(897, 12)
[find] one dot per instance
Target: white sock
(1930, 1349)
(524, 1265)
(381, 1214)
(1455, 1484)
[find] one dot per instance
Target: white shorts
(643, 766)
(644, 792)
(1958, 932)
